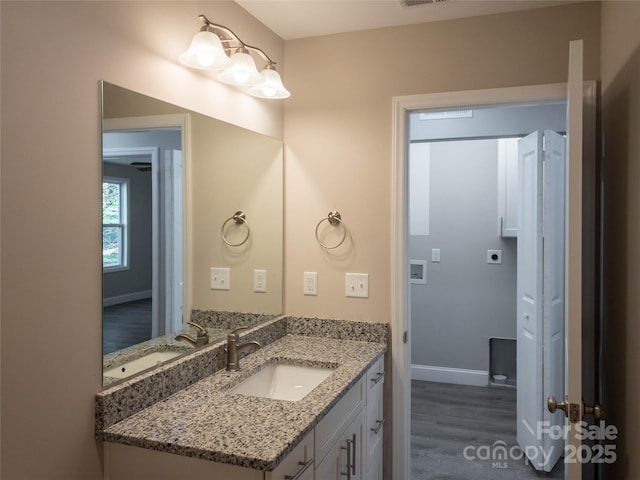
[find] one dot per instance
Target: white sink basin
(283, 382)
(139, 364)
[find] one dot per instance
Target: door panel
(553, 285)
(529, 294)
(573, 354)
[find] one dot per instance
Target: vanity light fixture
(210, 49)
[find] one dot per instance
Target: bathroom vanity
(206, 430)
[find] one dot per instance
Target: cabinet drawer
(299, 462)
(333, 425)
(375, 374)
(375, 471)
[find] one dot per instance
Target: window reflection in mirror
(171, 179)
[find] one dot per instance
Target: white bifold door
(541, 294)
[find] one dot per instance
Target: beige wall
(53, 55)
(242, 171)
(338, 129)
(620, 68)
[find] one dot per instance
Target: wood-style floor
(126, 324)
(446, 418)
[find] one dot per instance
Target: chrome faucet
(202, 337)
(233, 348)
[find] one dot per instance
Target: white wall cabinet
(345, 445)
(508, 187)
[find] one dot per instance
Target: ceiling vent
(416, 3)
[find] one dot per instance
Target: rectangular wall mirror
(192, 212)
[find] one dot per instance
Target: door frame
(400, 306)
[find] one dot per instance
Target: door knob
(553, 405)
(595, 410)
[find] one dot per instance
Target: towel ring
(239, 218)
(334, 219)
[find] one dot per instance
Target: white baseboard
(459, 376)
(128, 297)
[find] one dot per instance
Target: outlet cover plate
(260, 281)
(310, 283)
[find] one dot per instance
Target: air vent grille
(451, 114)
(415, 3)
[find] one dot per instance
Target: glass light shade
(243, 70)
(205, 52)
(271, 87)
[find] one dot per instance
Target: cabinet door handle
(353, 457)
(379, 377)
(304, 466)
(377, 428)
(348, 449)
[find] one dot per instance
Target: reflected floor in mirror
(126, 324)
(446, 418)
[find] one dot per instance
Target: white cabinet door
(298, 464)
(331, 428)
(508, 187)
(375, 471)
(346, 459)
(123, 462)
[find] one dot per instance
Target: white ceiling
(291, 19)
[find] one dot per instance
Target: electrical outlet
(310, 283)
(220, 279)
(356, 285)
(494, 257)
(260, 281)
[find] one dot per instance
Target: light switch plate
(356, 285)
(435, 255)
(220, 279)
(260, 281)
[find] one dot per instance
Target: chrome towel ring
(334, 219)
(239, 218)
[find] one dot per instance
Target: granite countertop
(205, 421)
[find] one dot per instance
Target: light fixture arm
(233, 37)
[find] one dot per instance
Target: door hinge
(405, 336)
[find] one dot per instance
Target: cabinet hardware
(348, 449)
(379, 377)
(353, 465)
(377, 428)
(304, 466)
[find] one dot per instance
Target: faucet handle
(201, 330)
(235, 333)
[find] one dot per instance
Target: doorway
(145, 292)
(401, 329)
(463, 194)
